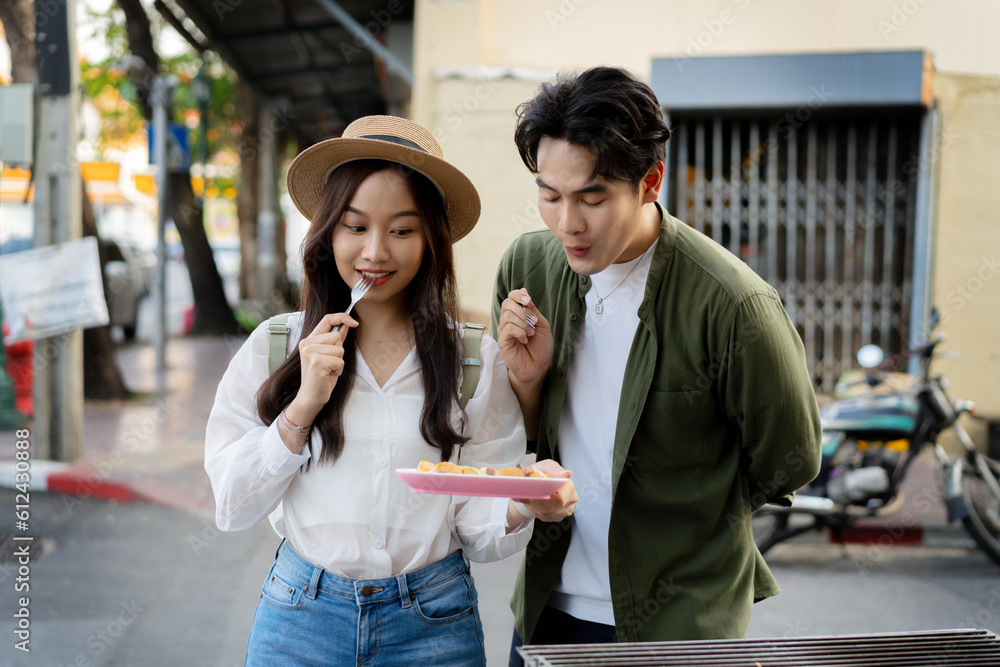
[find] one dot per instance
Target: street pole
(923, 235)
(201, 88)
(267, 214)
(58, 429)
(365, 38)
(160, 100)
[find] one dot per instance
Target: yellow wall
(967, 242)
(574, 33)
(479, 143)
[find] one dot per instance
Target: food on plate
(518, 472)
(449, 467)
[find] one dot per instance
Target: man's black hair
(605, 109)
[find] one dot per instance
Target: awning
(306, 57)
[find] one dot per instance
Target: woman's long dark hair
(434, 310)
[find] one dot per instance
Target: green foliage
(106, 84)
(248, 321)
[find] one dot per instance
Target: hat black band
(395, 140)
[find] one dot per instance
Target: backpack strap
(277, 342)
(472, 340)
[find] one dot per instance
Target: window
(822, 207)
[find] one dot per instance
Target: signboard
(52, 290)
(17, 102)
(178, 146)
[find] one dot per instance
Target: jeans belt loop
(278, 550)
(313, 589)
(404, 591)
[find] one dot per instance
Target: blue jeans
(308, 616)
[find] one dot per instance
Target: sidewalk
(148, 448)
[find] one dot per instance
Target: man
(661, 371)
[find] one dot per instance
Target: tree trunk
(285, 294)
(282, 286)
(101, 379)
(246, 198)
(18, 19)
(146, 62)
(212, 313)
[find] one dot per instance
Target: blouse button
(379, 398)
(379, 543)
(572, 317)
(382, 463)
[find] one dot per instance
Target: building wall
(479, 142)
(475, 60)
(967, 239)
(574, 33)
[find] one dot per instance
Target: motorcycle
(869, 444)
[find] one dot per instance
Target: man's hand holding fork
(525, 340)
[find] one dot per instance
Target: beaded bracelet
(285, 426)
(288, 425)
(301, 435)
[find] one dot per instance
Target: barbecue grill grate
(965, 647)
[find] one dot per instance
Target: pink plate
(497, 486)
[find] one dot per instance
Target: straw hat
(385, 138)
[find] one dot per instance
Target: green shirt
(717, 416)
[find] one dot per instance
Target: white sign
(52, 290)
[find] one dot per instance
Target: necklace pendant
(600, 306)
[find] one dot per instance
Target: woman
(369, 572)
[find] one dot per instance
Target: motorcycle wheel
(767, 528)
(983, 520)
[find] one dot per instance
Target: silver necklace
(600, 299)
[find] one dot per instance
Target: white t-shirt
(587, 433)
(357, 517)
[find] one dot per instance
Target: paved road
(142, 584)
(826, 590)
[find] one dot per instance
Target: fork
(529, 317)
(359, 290)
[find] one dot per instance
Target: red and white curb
(57, 477)
(87, 482)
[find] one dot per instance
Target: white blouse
(356, 517)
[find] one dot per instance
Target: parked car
(128, 275)
(227, 260)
